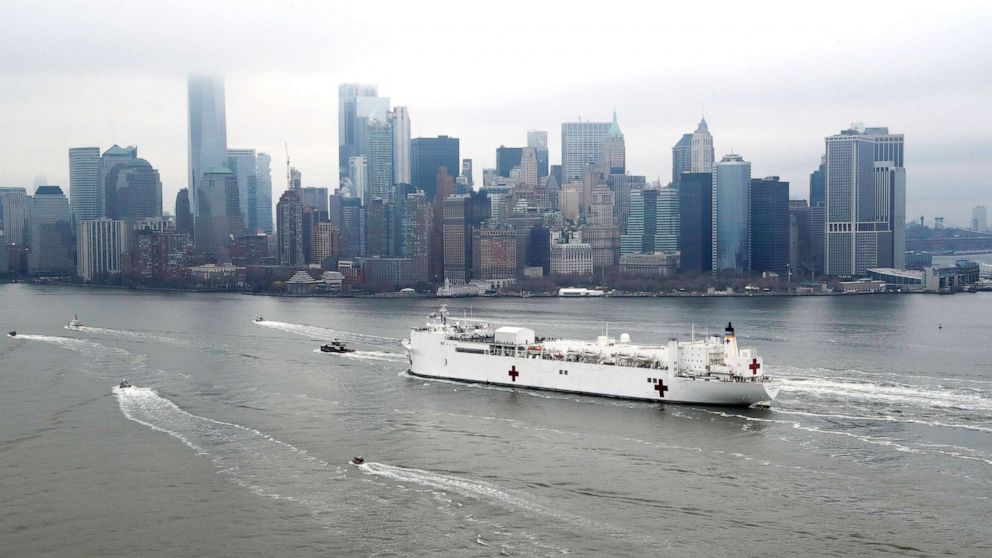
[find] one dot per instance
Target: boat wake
(89, 348)
(367, 355)
(140, 335)
(252, 459)
(320, 333)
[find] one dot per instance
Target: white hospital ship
(710, 371)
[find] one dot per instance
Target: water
(237, 438)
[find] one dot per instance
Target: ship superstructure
(712, 370)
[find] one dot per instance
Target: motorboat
(259, 319)
(125, 384)
(74, 323)
(358, 460)
(12, 333)
(336, 346)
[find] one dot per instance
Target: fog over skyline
(772, 79)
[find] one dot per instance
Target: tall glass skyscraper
(769, 224)
(538, 139)
(207, 132)
(348, 114)
(731, 212)
(427, 155)
(681, 158)
(263, 193)
(85, 188)
(51, 233)
(696, 222)
(244, 165)
(399, 120)
(582, 144)
(702, 153)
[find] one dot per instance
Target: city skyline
(776, 117)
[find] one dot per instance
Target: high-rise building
(415, 227)
(348, 95)
(865, 201)
(769, 222)
(352, 224)
(507, 159)
(327, 245)
(979, 219)
(538, 139)
(110, 161)
(85, 188)
(681, 158)
(599, 230)
(467, 171)
(528, 167)
(184, 215)
(310, 221)
(457, 238)
(818, 184)
(399, 121)
(100, 248)
(377, 147)
(379, 233)
(494, 252)
(219, 220)
(207, 132)
(574, 258)
(51, 234)
(289, 229)
(731, 211)
(614, 149)
(654, 222)
(592, 176)
(358, 171)
(14, 210)
(317, 198)
(703, 155)
(623, 185)
(445, 187)
(295, 181)
(244, 164)
(133, 190)
(582, 144)
(263, 194)
(427, 155)
(800, 254)
(696, 222)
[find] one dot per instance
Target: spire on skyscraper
(614, 126)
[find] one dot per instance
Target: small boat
(259, 319)
(12, 333)
(74, 323)
(336, 347)
(125, 384)
(358, 460)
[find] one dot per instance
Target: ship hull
(432, 356)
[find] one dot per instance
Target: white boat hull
(433, 356)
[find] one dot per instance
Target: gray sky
(772, 78)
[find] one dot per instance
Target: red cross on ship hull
(754, 366)
(662, 388)
(513, 373)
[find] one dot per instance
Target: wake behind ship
(711, 371)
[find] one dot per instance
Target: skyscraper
(654, 222)
(457, 239)
(427, 155)
(702, 149)
(614, 150)
(85, 189)
(51, 235)
(207, 132)
(219, 219)
(494, 252)
(415, 234)
(769, 225)
(317, 198)
(358, 172)
(184, 215)
(109, 161)
(696, 222)
(100, 247)
(582, 144)
(528, 167)
(352, 228)
(399, 120)
(379, 234)
(538, 139)
(818, 184)
(507, 158)
(731, 211)
(14, 209)
(133, 191)
(377, 146)
(348, 95)
(263, 194)
(244, 164)
(865, 201)
(681, 158)
(289, 229)
(623, 185)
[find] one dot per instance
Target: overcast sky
(772, 79)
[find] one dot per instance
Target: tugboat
(336, 346)
(358, 460)
(12, 333)
(125, 384)
(74, 323)
(259, 319)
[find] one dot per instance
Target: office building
(101, 245)
(457, 238)
(818, 184)
(865, 201)
(467, 172)
(289, 229)
(352, 225)
(623, 185)
(348, 95)
(427, 155)
(681, 158)
(110, 161)
(574, 258)
(14, 210)
(244, 164)
(599, 230)
(696, 222)
(376, 143)
(702, 153)
(507, 159)
(219, 220)
(528, 177)
(132, 190)
(769, 222)
(445, 188)
(327, 245)
(51, 235)
(415, 227)
(263, 194)
(494, 253)
(379, 228)
(318, 199)
(614, 149)
(310, 222)
(184, 215)
(538, 139)
(582, 144)
(399, 121)
(85, 188)
(207, 132)
(731, 211)
(654, 222)
(358, 170)
(800, 254)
